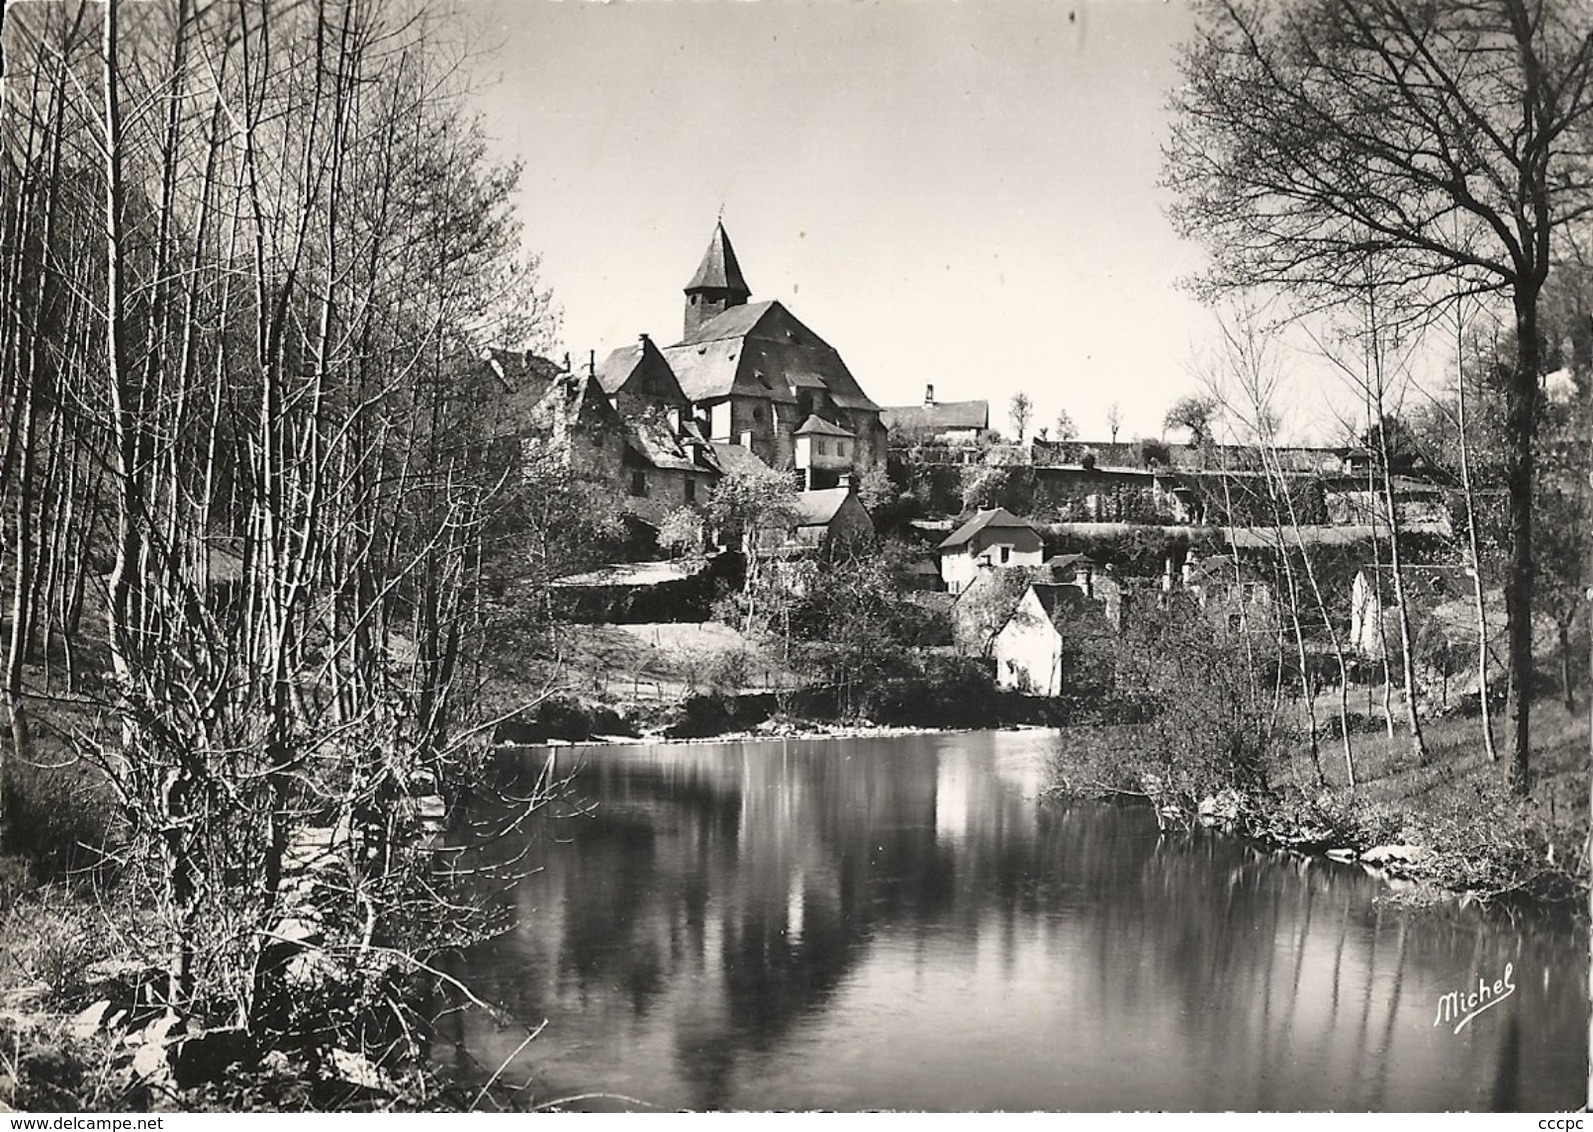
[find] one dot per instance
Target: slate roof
(817, 508)
(719, 268)
(818, 426)
(533, 387)
(1068, 562)
(761, 350)
(616, 369)
(999, 517)
(942, 416)
(733, 458)
(653, 442)
(1061, 599)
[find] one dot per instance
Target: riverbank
(1452, 828)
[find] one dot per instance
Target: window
(1006, 555)
(818, 446)
(638, 481)
(691, 489)
(1235, 622)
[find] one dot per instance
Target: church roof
(762, 350)
(719, 269)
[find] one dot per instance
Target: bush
(62, 815)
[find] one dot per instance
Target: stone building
(754, 374)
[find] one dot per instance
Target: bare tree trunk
(1407, 657)
(1520, 428)
(1472, 543)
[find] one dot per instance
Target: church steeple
(718, 284)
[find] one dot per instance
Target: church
(755, 376)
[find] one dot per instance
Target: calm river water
(897, 923)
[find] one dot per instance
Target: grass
(1483, 839)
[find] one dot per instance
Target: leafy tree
(753, 510)
(1020, 411)
(1065, 428)
(1193, 413)
(681, 532)
(853, 629)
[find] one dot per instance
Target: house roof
(536, 391)
(998, 517)
(623, 364)
(818, 508)
(1069, 561)
(733, 458)
(1060, 599)
(762, 350)
(818, 426)
(617, 368)
(938, 417)
(654, 443)
(1221, 568)
(719, 268)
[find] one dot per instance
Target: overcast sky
(957, 193)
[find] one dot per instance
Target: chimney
(645, 340)
(591, 363)
(1084, 578)
(849, 482)
(929, 394)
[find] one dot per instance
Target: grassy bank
(1452, 825)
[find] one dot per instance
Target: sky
(956, 193)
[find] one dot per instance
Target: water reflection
(895, 923)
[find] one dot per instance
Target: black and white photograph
(801, 556)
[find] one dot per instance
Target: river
(897, 923)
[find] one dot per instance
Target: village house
(1028, 649)
(995, 538)
(937, 422)
(1231, 593)
(1100, 586)
(637, 380)
(1444, 596)
(826, 521)
(560, 415)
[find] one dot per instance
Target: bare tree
(1114, 419)
(1448, 142)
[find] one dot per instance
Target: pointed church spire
(718, 284)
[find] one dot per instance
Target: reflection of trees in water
(730, 894)
(1273, 969)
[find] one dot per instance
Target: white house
(1443, 595)
(1028, 649)
(994, 538)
